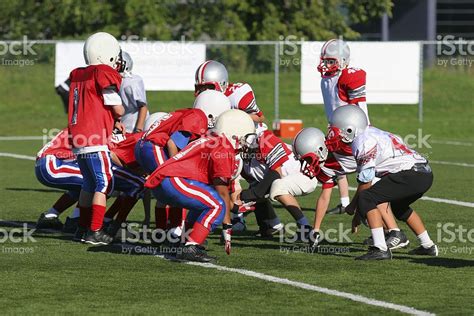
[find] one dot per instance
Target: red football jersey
(90, 121)
(241, 97)
(58, 146)
(351, 85)
(125, 150)
(193, 121)
(272, 150)
(203, 160)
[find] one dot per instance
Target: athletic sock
(85, 217)
(295, 211)
(425, 240)
(63, 203)
(128, 203)
(51, 213)
(75, 213)
(345, 201)
(160, 217)
(98, 212)
(175, 217)
(303, 221)
(199, 234)
(379, 238)
(272, 222)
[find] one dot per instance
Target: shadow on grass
(35, 190)
(450, 263)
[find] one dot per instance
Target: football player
(198, 179)
(405, 177)
(212, 75)
(326, 163)
(280, 175)
(95, 107)
(133, 94)
(340, 85)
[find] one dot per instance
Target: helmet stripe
(203, 67)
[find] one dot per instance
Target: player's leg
(100, 168)
(59, 174)
(206, 212)
(267, 220)
(343, 186)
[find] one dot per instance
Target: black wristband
(226, 226)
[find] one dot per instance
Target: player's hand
(227, 237)
(245, 207)
(355, 223)
(350, 209)
(120, 127)
(314, 238)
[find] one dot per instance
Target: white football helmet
(236, 126)
(126, 64)
(310, 148)
(346, 123)
(152, 119)
(102, 48)
(211, 75)
(335, 55)
(212, 103)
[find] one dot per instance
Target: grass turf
(62, 277)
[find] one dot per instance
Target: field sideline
(62, 277)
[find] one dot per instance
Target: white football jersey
(133, 94)
(384, 151)
(241, 97)
(346, 87)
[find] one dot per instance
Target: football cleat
(70, 225)
(49, 222)
(396, 239)
(422, 251)
(375, 253)
(194, 253)
(98, 237)
(339, 209)
(314, 238)
(79, 234)
(268, 232)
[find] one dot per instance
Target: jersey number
(75, 105)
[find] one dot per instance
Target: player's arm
(222, 189)
(257, 119)
(142, 112)
(172, 148)
(351, 208)
(115, 159)
(322, 206)
(177, 141)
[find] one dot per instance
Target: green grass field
(58, 276)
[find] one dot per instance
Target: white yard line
(270, 278)
(449, 163)
(17, 156)
(21, 137)
(314, 288)
(451, 142)
(426, 198)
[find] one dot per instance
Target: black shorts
(400, 189)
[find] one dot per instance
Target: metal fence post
(420, 85)
(277, 83)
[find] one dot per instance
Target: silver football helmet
(211, 75)
(335, 55)
(310, 148)
(127, 64)
(346, 123)
(102, 48)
